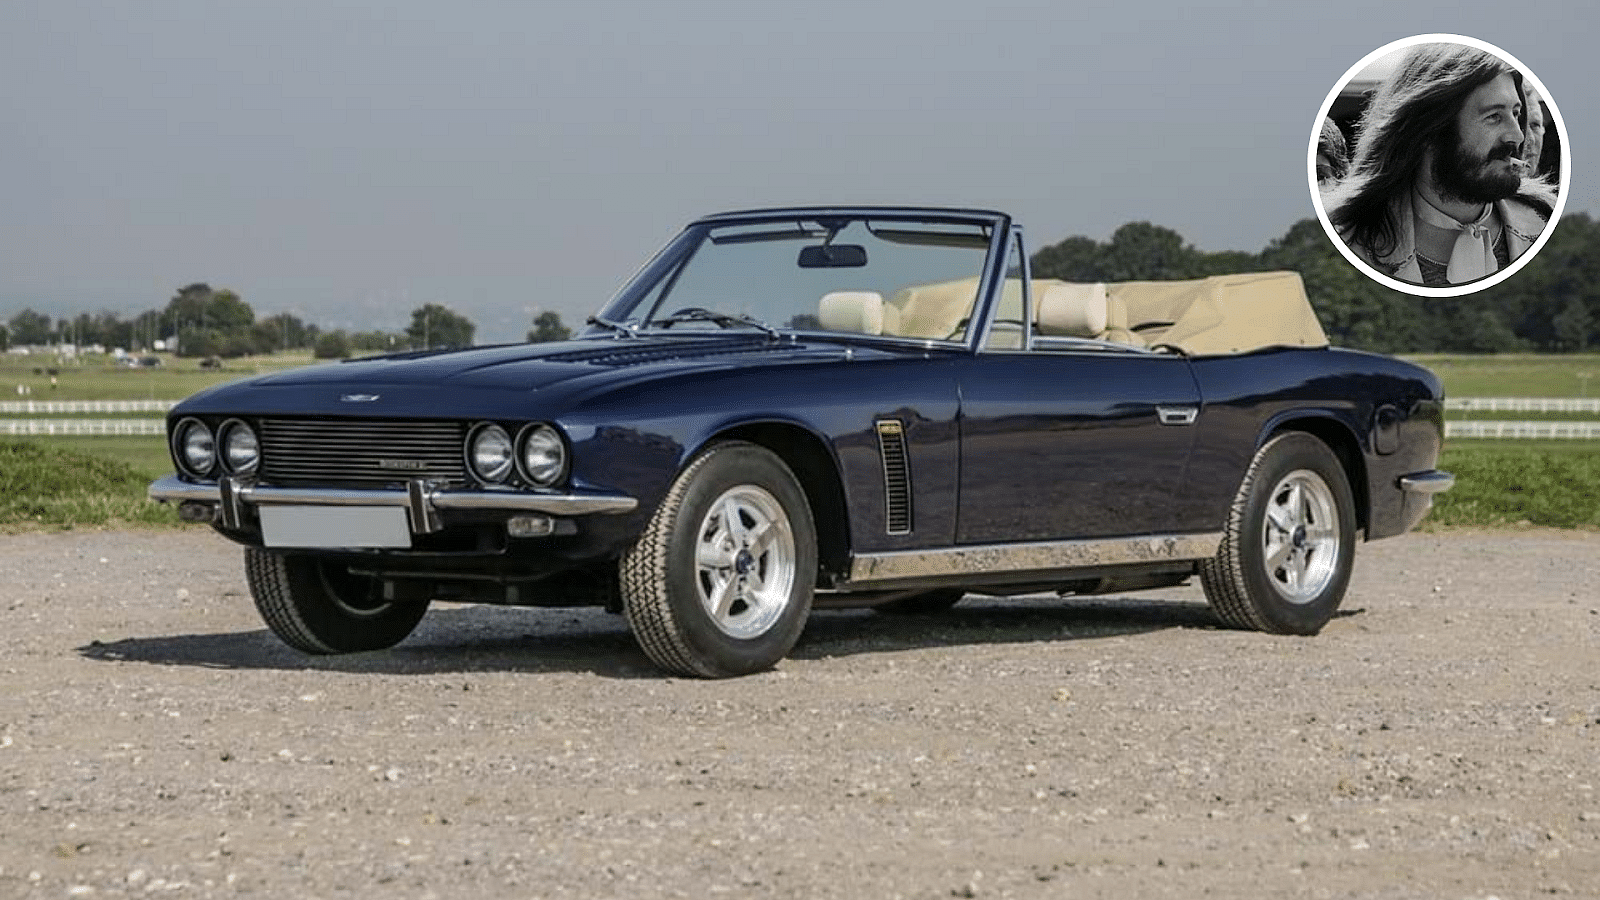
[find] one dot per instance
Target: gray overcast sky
(351, 161)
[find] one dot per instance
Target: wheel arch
(814, 466)
(1346, 447)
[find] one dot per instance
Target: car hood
(472, 382)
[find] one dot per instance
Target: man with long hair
(1437, 194)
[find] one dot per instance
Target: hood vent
(896, 476)
(631, 353)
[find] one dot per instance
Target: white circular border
(1460, 289)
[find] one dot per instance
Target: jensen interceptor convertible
(796, 408)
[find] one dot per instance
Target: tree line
(1551, 305)
(202, 321)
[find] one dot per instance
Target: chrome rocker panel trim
(870, 569)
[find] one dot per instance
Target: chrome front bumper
(423, 499)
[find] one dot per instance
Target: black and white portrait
(1434, 165)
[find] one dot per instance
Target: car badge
(358, 398)
(403, 465)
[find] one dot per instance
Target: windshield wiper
(725, 320)
(622, 328)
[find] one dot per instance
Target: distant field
(144, 455)
(1553, 483)
(1516, 375)
(100, 378)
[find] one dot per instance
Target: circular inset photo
(1438, 165)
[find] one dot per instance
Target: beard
(1459, 174)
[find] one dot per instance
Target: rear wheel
(321, 607)
(1289, 548)
(720, 582)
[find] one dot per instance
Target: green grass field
(46, 486)
(100, 378)
(1498, 483)
(144, 455)
(1516, 375)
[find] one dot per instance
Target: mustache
(1504, 151)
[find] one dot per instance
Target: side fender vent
(896, 476)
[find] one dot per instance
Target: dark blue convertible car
(801, 407)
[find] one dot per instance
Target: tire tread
(1226, 577)
(294, 602)
(666, 633)
(270, 587)
(647, 605)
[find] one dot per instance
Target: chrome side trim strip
(1043, 556)
(171, 488)
(1430, 482)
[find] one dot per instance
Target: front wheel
(1289, 547)
(322, 608)
(720, 582)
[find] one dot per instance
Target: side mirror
(833, 256)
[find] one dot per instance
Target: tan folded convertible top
(1223, 314)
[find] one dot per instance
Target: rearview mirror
(833, 256)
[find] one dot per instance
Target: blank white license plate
(335, 526)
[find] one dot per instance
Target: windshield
(892, 277)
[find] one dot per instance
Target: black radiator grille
(360, 453)
(896, 476)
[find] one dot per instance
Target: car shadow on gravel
(983, 620)
(450, 639)
(455, 639)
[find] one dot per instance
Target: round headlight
(193, 447)
(544, 455)
(241, 452)
(489, 453)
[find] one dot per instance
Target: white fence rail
(70, 407)
(65, 427)
(1524, 404)
(1536, 430)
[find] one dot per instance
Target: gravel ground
(1440, 739)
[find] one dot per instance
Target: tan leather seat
(1117, 330)
(860, 312)
(934, 311)
(1073, 310)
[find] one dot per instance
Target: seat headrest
(1074, 310)
(855, 311)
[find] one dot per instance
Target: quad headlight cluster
(538, 454)
(199, 452)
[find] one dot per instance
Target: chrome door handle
(1177, 415)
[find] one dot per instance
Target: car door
(1060, 444)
